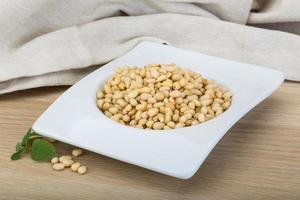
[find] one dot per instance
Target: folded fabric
(56, 42)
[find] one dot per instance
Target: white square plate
(75, 119)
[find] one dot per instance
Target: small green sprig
(40, 149)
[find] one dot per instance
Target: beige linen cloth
(56, 42)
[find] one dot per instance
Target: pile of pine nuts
(65, 161)
(161, 96)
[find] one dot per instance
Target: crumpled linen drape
(56, 42)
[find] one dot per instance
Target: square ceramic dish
(75, 119)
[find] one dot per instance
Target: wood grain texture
(259, 158)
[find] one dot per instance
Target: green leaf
(42, 150)
(35, 136)
(19, 146)
(32, 142)
(28, 138)
(25, 140)
(17, 155)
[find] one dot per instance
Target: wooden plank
(259, 158)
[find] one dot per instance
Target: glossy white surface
(75, 119)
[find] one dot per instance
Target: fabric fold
(55, 42)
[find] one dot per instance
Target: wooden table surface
(259, 158)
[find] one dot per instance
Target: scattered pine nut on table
(58, 166)
(65, 157)
(54, 160)
(66, 161)
(76, 152)
(82, 169)
(75, 166)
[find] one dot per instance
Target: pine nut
(100, 103)
(175, 93)
(145, 96)
(158, 105)
(179, 125)
(76, 152)
(67, 163)
(152, 112)
(151, 100)
(164, 88)
(154, 74)
(161, 78)
(54, 160)
(145, 90)
(204, 110)
(65, 157)
(194, 122)
(82, 170)
(142, 121)
(218, 112)
(175, 117)
(133, 94)
(158, 126)
(126, 118)
(226, 105)
(113, 110)
(58, 166)
(149, 124)
(133, 102)
(171, 124)
(201, 117)
(227, 94)
(159, 96)
(100, 94)
(75, 166)
(205, 102)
